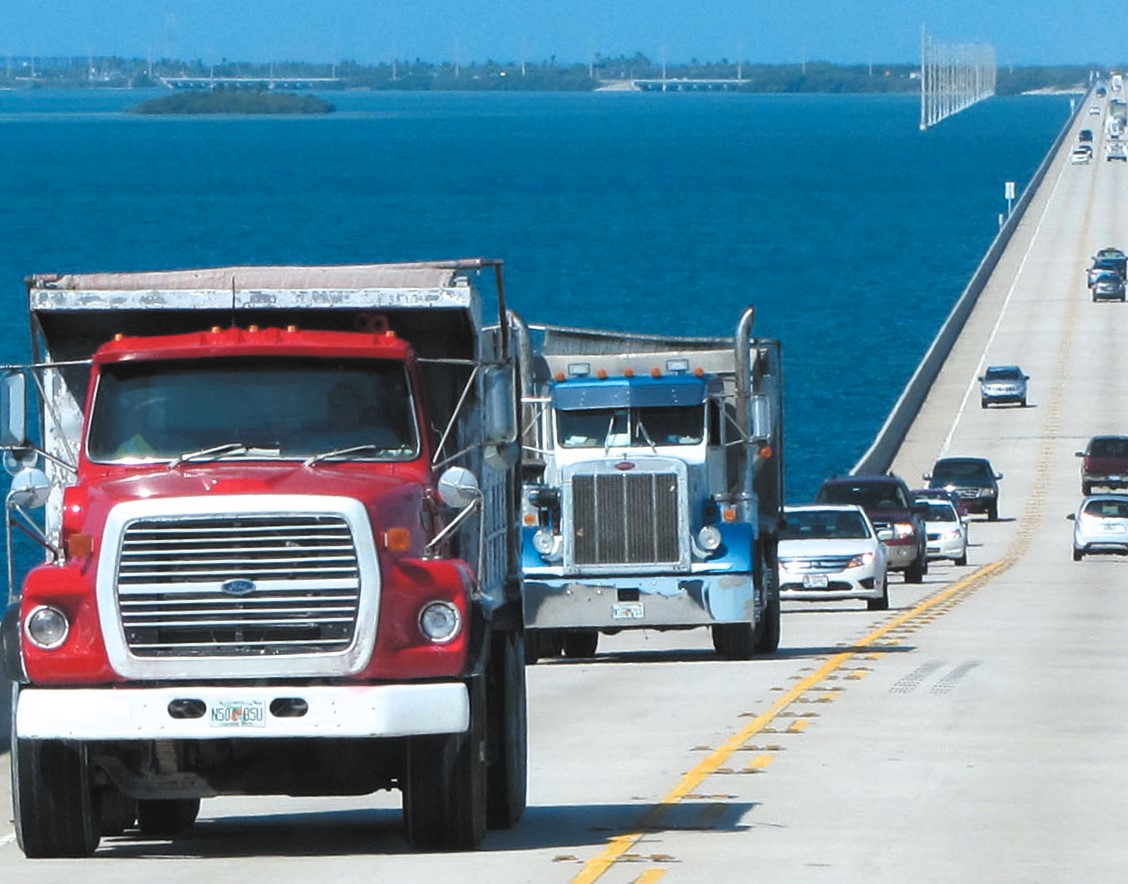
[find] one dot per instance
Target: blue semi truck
(653, 488)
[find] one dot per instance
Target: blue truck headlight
(709, 538)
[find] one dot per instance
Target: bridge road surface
(975, 732)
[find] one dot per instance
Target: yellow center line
(620, 844)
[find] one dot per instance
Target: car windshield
(824, 524)
(939, 511)
(946, 470)
(883, 496)
(252, 407)
(1004, 373)
(1107, 509)
(629, 427)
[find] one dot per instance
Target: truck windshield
(629, 427)
(255, 407)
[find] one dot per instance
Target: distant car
(890, 507)
(1085, 136)
(1080, 155)
(973, 479)
(1110, 252)
(942, 494)
(1094, 110)
(947, 532)
(1100, 526)
(1100, 266)
(1114, 150)
(831, 552)
(1002, 384)
(1104, 463)
(1108, 287)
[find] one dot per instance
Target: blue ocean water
(851, 231)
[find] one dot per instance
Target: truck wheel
(507, 776)
(915, 572)
(734, 641)
(444, 790)
(541, 643)
(581, 643)
(767, 632)
(1086, 489)
(116, 810)
(167, 817)
(52, 799)
(993, 511)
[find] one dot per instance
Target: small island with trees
(222, 100)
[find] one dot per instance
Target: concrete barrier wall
(880, 455)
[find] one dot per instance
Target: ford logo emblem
(238, 586)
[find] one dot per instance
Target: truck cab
(279, 549)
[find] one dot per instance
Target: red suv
(896, 516)
(1104, 463)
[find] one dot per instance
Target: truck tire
(993, 511)
(541, 643)
(580, 643)
(734, 641)
(767, 631)
(444, 789)
(54, 808)
(167, 817)
(116, 810)
(507, 776)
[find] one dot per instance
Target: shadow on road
(342, 833)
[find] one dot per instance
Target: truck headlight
(902, 529)
(547, 545)
(47, 627)
(709, 538)
(439, 622)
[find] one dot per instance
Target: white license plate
(815, 581)
(626, 611)
(238, 714)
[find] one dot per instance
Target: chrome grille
(292, 585)
(820, 564)
(625, 518)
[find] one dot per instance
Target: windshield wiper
(646, 436)
(352, 449)
(211, 451)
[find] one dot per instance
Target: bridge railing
(879, 457)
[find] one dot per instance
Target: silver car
(1002, 384)
(947, 532)
(831, 551)
(1100, 526)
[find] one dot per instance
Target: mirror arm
(430, 550)
(27, 525)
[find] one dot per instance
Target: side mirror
(500, 406)
(1072, 517)
(761, 416)
(458, 488)
(998, 475)
(1078, 453)
(30, 489)
(926, 476)
(13, 410)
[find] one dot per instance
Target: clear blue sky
(370, 31)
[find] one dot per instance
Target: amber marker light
(79, 546)
(397, 540)
(729, 514)
(765, 451)
(530, 519)
(601, 374)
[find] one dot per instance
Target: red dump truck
(280, 510)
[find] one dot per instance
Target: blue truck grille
(625, 518)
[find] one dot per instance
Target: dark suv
(897, 518)
(973, 479)
(1104, 463)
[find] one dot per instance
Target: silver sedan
(1100, 526)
